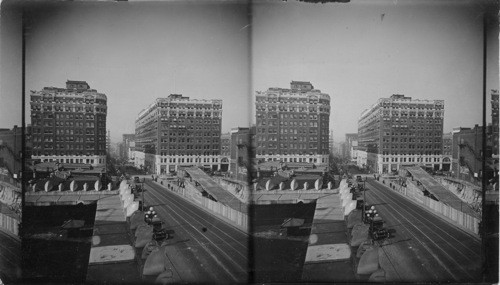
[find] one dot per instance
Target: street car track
(437, 242)
(210, 241)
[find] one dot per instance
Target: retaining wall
(9, 223)
(10, 208)
(236, 218)
(414, 193)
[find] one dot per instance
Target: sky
(366, 50)
(356, 52)
(137, 52)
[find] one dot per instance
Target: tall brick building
(69, 124)
(178, 131)
(399, 130)
(292, 125)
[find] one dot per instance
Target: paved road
(215, 251)
(425, 247)
(10, 258)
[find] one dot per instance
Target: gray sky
(137, 52)
(365, 50)
(356, 52)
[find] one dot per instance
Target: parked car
(136, 179)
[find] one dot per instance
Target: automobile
(138, 188)
(358, 178)
(136, 179)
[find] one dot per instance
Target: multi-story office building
(400, 131)
(225, 144)
(331, 143)
(293, 124)
(69, 124)
(108, 142)
(178, 131)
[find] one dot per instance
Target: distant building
(447, 151)
(399, 130)
(108, 142)
(343, 150)
(494, 120)
(240, 148)
(127, 145)
(10, 179)
(225, 144)
(10, 151)
(331, 143)
(178, 131)
(467, 152)
(292, 125)
(351, 141)
(69, 124)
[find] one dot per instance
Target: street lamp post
(364, 199)
(142, 189)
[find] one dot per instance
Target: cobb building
(398, 131)
(292, 125)
(178, 131)
(69, 124)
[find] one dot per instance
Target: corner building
(177, 131)
(398, 131)
(292, 125)
(69, 124)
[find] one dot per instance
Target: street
(214, 251)
(425, 248)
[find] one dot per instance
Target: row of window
(189, 160)
(190, 121)
(71, 160)
(191, 106)
(411, 159)
(411, 146)
(418, 140)
(411, 152)
(414, 134)
(189, 146)
(270, 108)
(185, 152)
(188, 140)
(66, 146)
(46, 108)
(261, 151)
(165, 115)
(312, 145)
(288, 123)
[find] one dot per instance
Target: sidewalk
(328, 257)
(112, 257)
